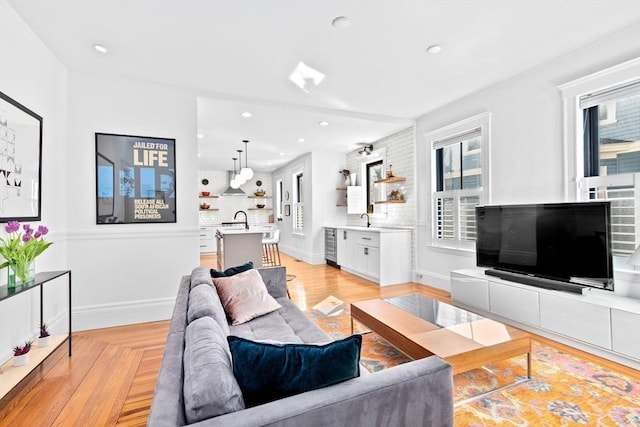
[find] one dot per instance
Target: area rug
(564, 390)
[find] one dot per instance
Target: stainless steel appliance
(330, 247)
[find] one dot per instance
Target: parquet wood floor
(110, 379)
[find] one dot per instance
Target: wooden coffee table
(421, 327)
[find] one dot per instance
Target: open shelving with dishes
(256, 206)
(204, 206)
(395, 196)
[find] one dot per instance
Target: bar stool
(270, 249)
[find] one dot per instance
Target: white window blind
(298, 217)
(621, 191)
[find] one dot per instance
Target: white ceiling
(237, 55)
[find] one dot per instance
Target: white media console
(596, 321)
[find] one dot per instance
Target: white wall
(319, 205)
(128, 273)
(32, 76)
(526, 141)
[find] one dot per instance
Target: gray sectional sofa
(418, 393)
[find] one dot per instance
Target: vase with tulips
(21, 247)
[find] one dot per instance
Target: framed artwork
(287, 210)
(135, 179)
(20, 162)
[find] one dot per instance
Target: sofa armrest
(418, 393)
(276, 280)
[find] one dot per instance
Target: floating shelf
(260, 209)
(210, 209)
(385, 202)
(212, 196)
(341, 205)
(259, 197)
(343, 187)
(392, 179)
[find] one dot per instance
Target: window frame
(438, 139)
(297, 191)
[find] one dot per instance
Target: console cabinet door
(514, 303)
(576, 319)
(625, 327)
(470, 290)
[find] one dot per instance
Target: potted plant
(21, 354)
(45, 337)
(22, 246)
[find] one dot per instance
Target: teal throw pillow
(267, 372)
(232, 270)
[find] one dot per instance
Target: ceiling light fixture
(246, 114)
(100, 48)
(434, 48)
(340, 23)
(366, 150)
(300, 139)
(323, 123)
(239, 178)
(200, 136)
(246, 172)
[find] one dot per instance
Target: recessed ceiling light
(323, 123)
(282, 154)
(246, 114)
(199, 155)
(200, 136)
(300, 139)
(100, 48)
(434, 48)
(341, 22)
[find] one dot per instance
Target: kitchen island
(238, 246)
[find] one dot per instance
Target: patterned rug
(564, 390)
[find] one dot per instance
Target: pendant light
(239, 178)
(233, 183)
(246, 172)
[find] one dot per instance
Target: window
(611, 153)
(298, 202)
(460, 156)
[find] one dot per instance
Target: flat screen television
(563, 246)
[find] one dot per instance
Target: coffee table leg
(529, 365)
(351, 318)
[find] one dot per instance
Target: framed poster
(135, 179)
(20, 162)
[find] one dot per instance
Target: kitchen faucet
(368, 223)
(246, 222)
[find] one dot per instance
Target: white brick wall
(400, 153)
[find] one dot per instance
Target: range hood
(233, 191)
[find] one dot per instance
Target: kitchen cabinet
(382, 255)
(207, 239)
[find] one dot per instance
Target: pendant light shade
(234, 184)
(240, 180)
(246, 172)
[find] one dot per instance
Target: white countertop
(227, 231)
(372, 229)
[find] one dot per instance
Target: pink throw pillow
(244, 296)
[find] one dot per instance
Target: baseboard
(434, 280)
(119, 314)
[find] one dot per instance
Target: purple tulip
(42, 229)
(26, 237)
(37, 234)
(12, 226)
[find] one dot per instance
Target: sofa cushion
(210, 388)
(267, 372)
(232, 271)
(204, 301)
(244, 296)
(200, 276)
